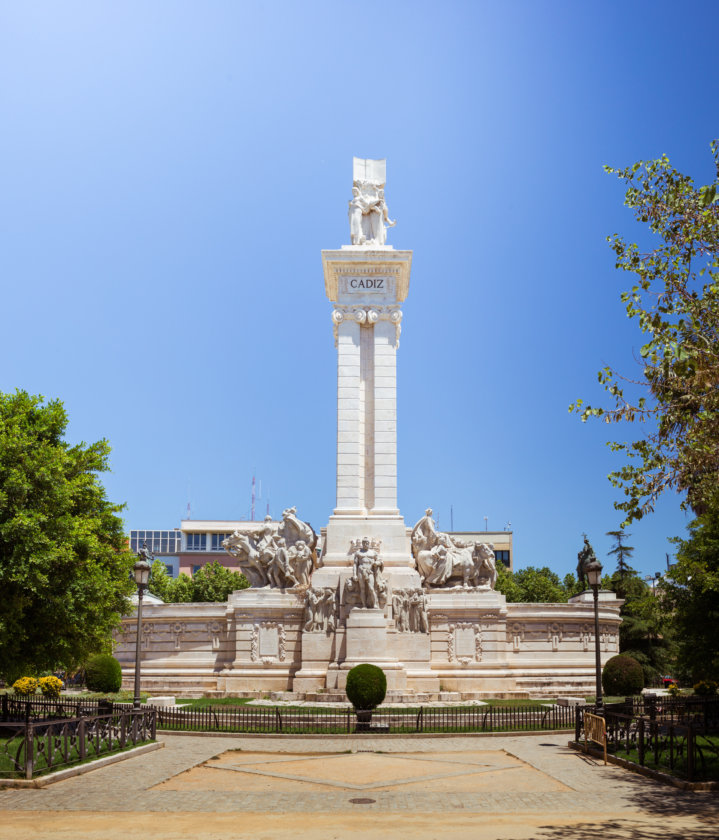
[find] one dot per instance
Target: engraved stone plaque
(269, 642)
(464, 643)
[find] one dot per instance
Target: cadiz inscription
(366, 284)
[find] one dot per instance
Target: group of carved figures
(321, 610)
(409, 607)
(443, 560)
(284, 556)
(281, 556)
(368, 214)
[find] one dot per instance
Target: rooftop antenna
(485, 522)
(252, 509)
(451, 517)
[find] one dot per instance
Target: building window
(196, 542)
(170, 570)
(196, 569)
(502, 556)
(159, 542)
(217, 541)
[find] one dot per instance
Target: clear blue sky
(171, 172)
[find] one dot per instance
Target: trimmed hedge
(622, 675)
(103, 673)
(366, 687)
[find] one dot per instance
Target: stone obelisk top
(366, 282)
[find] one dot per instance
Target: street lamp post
(141, 571)
(594, 576)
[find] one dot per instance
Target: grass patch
(203, 702)
(14, 744)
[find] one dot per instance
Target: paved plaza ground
(504, 788)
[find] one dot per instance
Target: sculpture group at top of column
(276, 555)
(443, 560)
(368, 213)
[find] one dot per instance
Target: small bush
(50, 686)
(622, 675)
(103, 673)
(26, 686)
(366, 686)
(706, 688)
(674, 690)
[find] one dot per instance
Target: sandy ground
(358, 826)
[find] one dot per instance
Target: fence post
(640, 742)
(420, 720)
(153, 724)
(29, 750)
(349, 723)
(577, 723)
(81, 738)
(691, 753)
(4, 707)
(278, 720)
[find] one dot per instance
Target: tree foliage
(533, 585)
(675, 300)
(691, 592)
(64, 566)
(213, 582)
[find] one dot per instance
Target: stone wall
(478, 645)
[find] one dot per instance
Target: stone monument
(418, 602)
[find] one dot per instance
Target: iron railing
(679, 738)
(33, 746)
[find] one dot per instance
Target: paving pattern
(512, 777)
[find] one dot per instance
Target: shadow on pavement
(622, 830)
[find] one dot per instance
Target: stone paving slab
(587, 795)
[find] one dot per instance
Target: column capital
(367, 315)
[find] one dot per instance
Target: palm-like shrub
(622, 675)
(366, 687)
(103, 673)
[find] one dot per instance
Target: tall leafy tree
(64, 566)
(675, 300)
(691, 591)
(213, 582)
(622, 553)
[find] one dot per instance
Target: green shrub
(705, 688)
(50, 686)
(26, 686)
(366, 686)
(622, 675)
(103, 673)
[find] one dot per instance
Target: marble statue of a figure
(321, 610)
(272, 555)
(443, 560)
(368, 214)
(367, 588)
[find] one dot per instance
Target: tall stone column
(366, 287)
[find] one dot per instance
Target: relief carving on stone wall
(554, 635)
(515, 635)
(281, 556)
(464, 643)
(267, 642)
(445, 561)
(409, 607)
(321, 610)
(367, 588)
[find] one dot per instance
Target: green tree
(533, 585)
(623, 554)
(64, 566)
(215, 582)
(675, 300)
(691, 591)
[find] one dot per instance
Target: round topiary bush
(25, 686)
(103, 673)
(50, 686)
(622, 675)
(366, 686)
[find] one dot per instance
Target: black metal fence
(679, 736)
(34, 745)
(298, 720)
